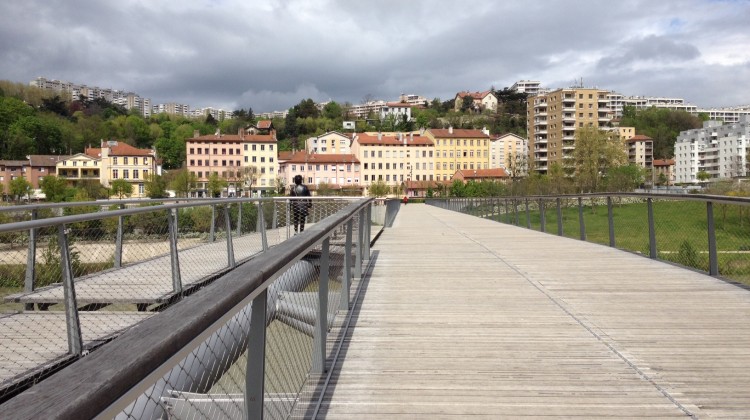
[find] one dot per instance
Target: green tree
(121, 188)
(54, 188)
(467, 103)
(19, 188)
(216, 185)
(156, 186)
(625, 178)
(595, 152)
(703, 176)
(332, 111)
(662, 125)
(379, 189)
(183, 182)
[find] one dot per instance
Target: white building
(361, 111)
(507, 146)
(719, 150)
(529, 87)
(398, 110)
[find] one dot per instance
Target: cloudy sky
(270, 54)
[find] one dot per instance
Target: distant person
(299, 207)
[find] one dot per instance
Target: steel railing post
(239, 219)
(30, 278)
(73, 325)
(713, 259)
(581, 222)
(230, 246)
(651, 230)
(507, 212)
(347, 277)
(360, 243)
(212, 234)
(559, 217)
(515, 211)
(119, 238)
(611, 222)
(321, 325)
(368, 230)
(528, 214)
(255, 373)
(275, 216)
(542, 219)
(262, 227)
(173, 253)
(287, 211)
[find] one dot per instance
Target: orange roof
(474, 95)
(322, 158)
(458, 133)
(124, 149)
(285, 154)
(398, 105)
(638, 137)
(482, 173)
(393, 140)
(265, 124)
(94, 152)
(663, 162)
(245, 138)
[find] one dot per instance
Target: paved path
(468, 318)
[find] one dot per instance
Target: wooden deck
(468, 318)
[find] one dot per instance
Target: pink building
(337, 171)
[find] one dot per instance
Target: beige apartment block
(331, 142)
(640, 150)
(552, 120)
(246, 160)
(457, 149)
(394, 158)
(122, 161)
(507, 148)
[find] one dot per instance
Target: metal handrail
(104, 382)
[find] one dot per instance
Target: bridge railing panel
(706, 233)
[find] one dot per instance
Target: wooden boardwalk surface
(469, 318)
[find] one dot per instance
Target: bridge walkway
(465, 317)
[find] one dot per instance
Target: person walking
(299, 207)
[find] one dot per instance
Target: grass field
(681, 230)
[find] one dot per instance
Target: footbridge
(618, 306)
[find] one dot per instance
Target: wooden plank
(468, 317)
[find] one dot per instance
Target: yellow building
(79, 167)
(120, 160)
(331, 142)
(552, 120)
(394, 158)
(459, 149)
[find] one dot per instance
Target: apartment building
(506, 147)
(119, 160)
(33, 169)
(413, 100)
(338, 171)
(362, 111)
(481, 100)
(717, 149)
(331, 142)
(246, 160)
(663, 169)
(394, 158)
(459, 149)
(529, 87)
(398, 110)
(640, 150)
(552, 120)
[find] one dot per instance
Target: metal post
(262, 227)
(275, 220)
(174, 255)
(581, 223)
(713, 260)
(528, 215)
(368, 230)
(651, 230)
(255, 373)
(212, 235)
(75, 342)
(507, 212)
(515, 210)
(542, 219)
(611, 221)
(559, 217)
(347, 277)
(321, 326)
(118, 239)
(230, 246)
(288, 210)
(360, 244)
(239, 219)
(29, 281)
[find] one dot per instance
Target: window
(115, 174)
(114, 160)
(140, 189)
(262, 147)
(135, 173)
(135, 161)
(125, 160)
(192, 151)
(125, 174)
(145, 174)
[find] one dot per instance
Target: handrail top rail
(92, 384)
(75, 218)
(721, 199)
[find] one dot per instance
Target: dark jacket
(300, 206)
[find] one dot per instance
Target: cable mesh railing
(705, 233)
(73, 283)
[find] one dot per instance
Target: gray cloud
(270, 54)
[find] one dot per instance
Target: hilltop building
(720, 150)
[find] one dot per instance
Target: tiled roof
(46, 160)
(393, 140)
(245, 138)
(322, 158)
(264, 124)
(482, 173)
(474, 95)
(398, 105)
(458, 133)
(638, 137)
(14, 162)
(94, 152)
(124, 149)
(663, 162)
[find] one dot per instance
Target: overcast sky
(271, 54)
